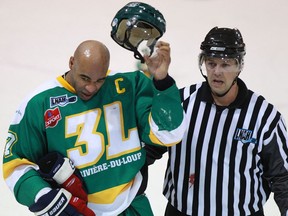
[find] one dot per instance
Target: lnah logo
(62, 100)
(244, 136)
(52, 117)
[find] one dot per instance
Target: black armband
(164, 84)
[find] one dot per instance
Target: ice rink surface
(38, 37)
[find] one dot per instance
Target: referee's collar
(206, 95)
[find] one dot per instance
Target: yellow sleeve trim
(154, 138)
(10, 166)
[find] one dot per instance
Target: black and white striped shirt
(231, 158)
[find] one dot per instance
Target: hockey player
(74, 146)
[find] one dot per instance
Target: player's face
(87, 86)
(87, 79)
(221, 73)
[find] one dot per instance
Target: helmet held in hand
(135, 24)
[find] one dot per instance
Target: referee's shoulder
(186, 91)
(260, 98)
(271, 108)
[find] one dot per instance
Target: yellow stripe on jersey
(155, 139)
(10, 166)
(66, 84)
(108, 196)
(108, 72)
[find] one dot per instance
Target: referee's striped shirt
(230, 159)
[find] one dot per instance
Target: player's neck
(66, 76)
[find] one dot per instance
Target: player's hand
(55, 167)
(158, 64)
(60, 202)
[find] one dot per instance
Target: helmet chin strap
(223, 94)
(137, 54)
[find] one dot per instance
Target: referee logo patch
(244, 136)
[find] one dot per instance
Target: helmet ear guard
(136, 23)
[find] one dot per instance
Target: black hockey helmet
(223, 43)
(135, 23)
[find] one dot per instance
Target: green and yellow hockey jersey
(103, 136)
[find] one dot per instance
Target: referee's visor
(220, 65)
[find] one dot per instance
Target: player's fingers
(164, 54)
(162, 43)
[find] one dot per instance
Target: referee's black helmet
(223, 43)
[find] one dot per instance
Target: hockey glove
(54, 166)
(60, 202)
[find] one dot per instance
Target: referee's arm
(275, 161)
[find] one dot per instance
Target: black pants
(172, 211)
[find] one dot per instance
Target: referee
(234, 153)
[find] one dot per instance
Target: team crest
(244, 136)
(52, 117)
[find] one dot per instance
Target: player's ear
(71, 62)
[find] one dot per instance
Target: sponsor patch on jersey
(52, 117)
(62, 100)
(244, 136)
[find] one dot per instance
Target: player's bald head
(92, 51)
(91, 57)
